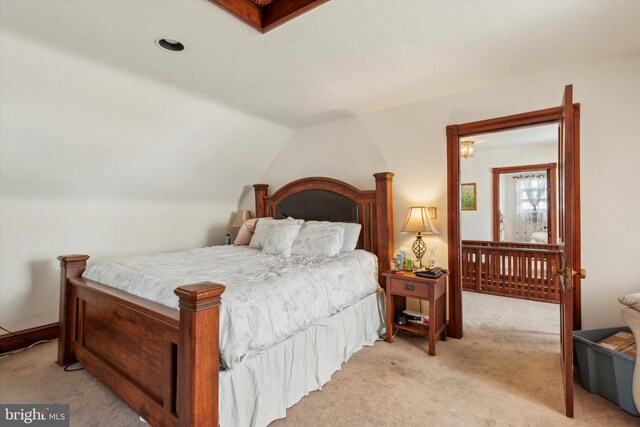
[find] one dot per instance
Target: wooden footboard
(163, 363)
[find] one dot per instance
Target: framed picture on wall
(468, 195)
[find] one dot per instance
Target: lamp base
(419, 248)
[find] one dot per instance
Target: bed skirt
(262, 387)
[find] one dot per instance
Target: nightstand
(409, 285)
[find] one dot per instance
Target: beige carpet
(497, 375)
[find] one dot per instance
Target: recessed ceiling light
(170, 45)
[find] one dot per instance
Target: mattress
(267, 299)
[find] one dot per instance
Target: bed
(539, 237)
(165, 362)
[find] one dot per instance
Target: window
(537, 189)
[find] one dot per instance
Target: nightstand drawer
(409, 288)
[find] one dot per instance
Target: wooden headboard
(327, 199)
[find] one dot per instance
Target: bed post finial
(261, 190)
(70, 266)
(199, 354)
(384, 225)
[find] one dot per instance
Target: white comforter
(268, 298)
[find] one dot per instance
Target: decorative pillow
(281, 238)
(632, 300)
(261, 232)
(351, 235)
(263, 229)
(319, 239)
(246, 232)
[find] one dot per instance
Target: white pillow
(319, 239)
(632, 300)
(351, 235)
(261, 232)
(281, 238)
(263, 229)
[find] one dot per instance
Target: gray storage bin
(606, 372)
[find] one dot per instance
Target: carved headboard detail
(328, 199)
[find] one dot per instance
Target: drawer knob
(408, 287)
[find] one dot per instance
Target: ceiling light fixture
(170, 45)
(466, 149)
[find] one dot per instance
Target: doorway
(567, 273)
(508, 217)
(455, 134)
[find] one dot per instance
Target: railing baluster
(505, 272)
(514, 272)
(477, 266)
(538, 278)
(464, 272)
(529, 276)
(487, 277)
(512, 281)
(546, 295)
(494, 280)
(534, 276)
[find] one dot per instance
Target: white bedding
(262, 387)
(268, 298)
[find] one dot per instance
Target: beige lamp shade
(240, 218)
(418, 221)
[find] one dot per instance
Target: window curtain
(531, 207)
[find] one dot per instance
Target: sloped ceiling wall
(102, 161)
(340, 59)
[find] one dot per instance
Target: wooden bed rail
(162, 363)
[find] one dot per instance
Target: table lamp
(418, 221)
(240, 218)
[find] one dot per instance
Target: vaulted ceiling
(343, 58)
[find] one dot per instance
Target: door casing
(454, 133)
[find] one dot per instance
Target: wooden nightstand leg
(432, 343)
(435, 323)
(389, 313)
(442, 303)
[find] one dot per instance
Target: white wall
(100, 161)
(410, 140)
(105, 162)
(478, 224)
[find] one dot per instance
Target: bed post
(261, 190)
(384, 223)
(70, 266)
(198, 354)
